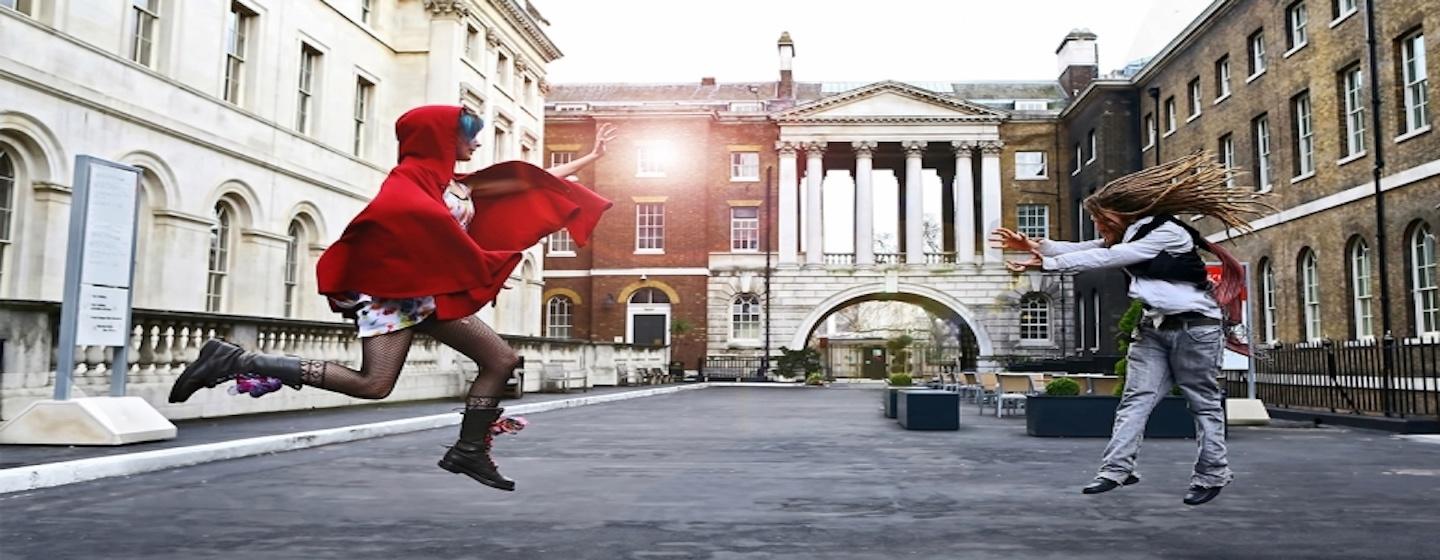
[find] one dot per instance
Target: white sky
(846, 40)
(850, 41)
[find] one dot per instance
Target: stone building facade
(1281, 91)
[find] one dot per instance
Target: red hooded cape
(406, 244)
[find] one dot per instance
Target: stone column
(446, 46)
(914, 212)
(814, 224)
(864, 204)
(964, 202)
(789, 204)
(990, 201)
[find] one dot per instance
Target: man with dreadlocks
(1186, 320)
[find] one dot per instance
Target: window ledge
(1412, 134)
(1193, 117)
(1302, 177)
(744, 251)
(1294, 49)
(1037, 178)
(1075, 172)
(1350, 158)
(1033, 343)
(1090, 161)
(744, 179)
(1147, 147)
(1168, 133)
(1254, 76)
(743, 343)
(1221, 98)
(560, 254)
(649, 251)
(1266, 189)
(1343, 17)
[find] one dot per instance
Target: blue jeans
(1159, 359)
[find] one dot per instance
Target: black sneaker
(1105, 485)
(1199, 494)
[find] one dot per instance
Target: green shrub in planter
(1062, 387)
(815, 379)
(900, 380)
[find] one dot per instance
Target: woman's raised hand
(1005, 238)
(604, 135)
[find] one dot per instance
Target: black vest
(1184, 268)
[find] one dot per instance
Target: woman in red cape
(422, 257)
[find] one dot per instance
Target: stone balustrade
(164, 342)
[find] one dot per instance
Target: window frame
(360, 117)
(560, 244)
(744, 231)
(1032, 229)
(144, 26)
(222, 241)
(1094, 147)
(738, 168)
(1352, 118)
(1044, 166)
(1170, 121)
(239, 23)
(1302, 112)
(1227, 157)
(1222, 78)
(1310, 304)
(1035, 302)
(559, 306)
(294, 235)
(1255, 47)
(649, 161)
(1425, 299)
(1414, 85)
(653, 232)
(1297, 21)
(1269, 311)
(751, 321)
(1362, 295)
(306, 90)
(1264, 173)
(1194, 93)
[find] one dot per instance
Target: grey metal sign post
(99, 268)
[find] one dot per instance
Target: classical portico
(905, 129)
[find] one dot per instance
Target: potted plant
(815, 380)
(800, 363)
(1063, 412)
(894, 384)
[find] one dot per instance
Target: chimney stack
(1079, 60)
(707, 81)
(786, 89)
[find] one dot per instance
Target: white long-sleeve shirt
(1163, 297)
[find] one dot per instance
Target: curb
(1421, 438)
(48, 475)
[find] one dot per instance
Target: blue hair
(470, 124)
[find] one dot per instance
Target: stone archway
(926, 297)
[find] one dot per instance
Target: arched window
(1267, 301)
(1426, 294)
(1362, 307)
(7, 209)
(558, 313)
(745, 317)
(293, 243)
(649, 295)
(1034, 317)
(220, 243)
(1310, 294)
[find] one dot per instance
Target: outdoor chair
(1012, 393)
(987, 391)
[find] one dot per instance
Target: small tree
(1128, 322)
(899, 353)
(805, 361)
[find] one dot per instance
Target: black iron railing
(1349, 377)
(721, 368)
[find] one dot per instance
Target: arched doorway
(970, 335)
(647, 318)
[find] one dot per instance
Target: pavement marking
(47, 475)
(1422, 438)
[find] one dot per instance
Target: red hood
(428, 137)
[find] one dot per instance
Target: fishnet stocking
(382, 357)
(476, 340)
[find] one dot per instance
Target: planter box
(928, 409)
(1094, 416)
(889, 396)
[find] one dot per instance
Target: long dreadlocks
(1196, 184)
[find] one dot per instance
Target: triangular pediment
(887, 101)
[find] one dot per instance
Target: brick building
(1281, 91)
(681, 259)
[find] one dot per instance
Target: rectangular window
(472, 42)
(1227, 158)
(1222, 77)
(744, 166)
(502, 141)
(364, 91)
(744, 229)
(1169, 114)
(1033, 220)
(26, 7)
(558, 159)
(1413, 79)
(237, 31)
(650, 161)
(142, 40)
(527, 91)
(1342, 8)
(1079, 157)
(1194, 97)
(1296, 17)
(1034, 317)
(1267, 293)
(1310, 296)
(304, 103)
(1352, 141)
(1261, 128)
(1360, 284)
(1304, 134)
(1094, 147)
(365, 9)
(650, 227)
(572, 107)
(747, 107)
(745, 316)
(526, 151)
(1081, 318)
(292, 270)
(1032, 105)
(502, 70)
(561, 244)
(1095, 309)
(1149, 130)
(1257, 53)
(559, 312)
(1030, 165)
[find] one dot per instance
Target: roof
(804, 91)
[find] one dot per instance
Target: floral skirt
(379, 316)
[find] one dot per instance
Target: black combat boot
(471, 454)
(220, 361)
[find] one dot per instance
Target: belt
(1188, 319)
